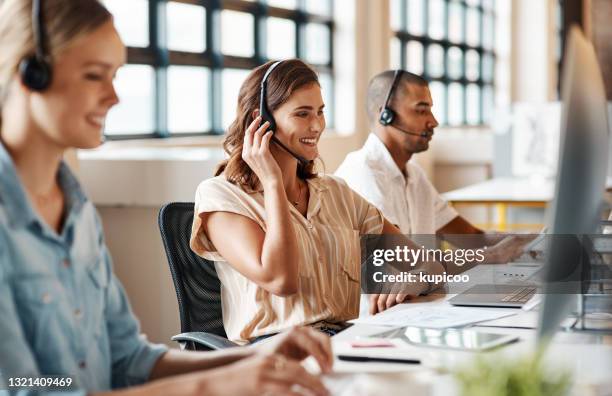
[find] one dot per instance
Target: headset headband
(265, 77)
(396, 77)
(38, 29)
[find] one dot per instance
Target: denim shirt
(62, 310)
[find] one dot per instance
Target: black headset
(35, 70)
(266, 114)
(387, 114)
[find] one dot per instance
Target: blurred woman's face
(73, 110)
(300, 121)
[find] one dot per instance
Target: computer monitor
(580, 182)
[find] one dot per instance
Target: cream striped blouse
(329, 260)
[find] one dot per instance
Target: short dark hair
(379, 86)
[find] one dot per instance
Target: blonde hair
(64, 21)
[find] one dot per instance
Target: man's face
(413, 110)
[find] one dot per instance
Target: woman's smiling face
(300, 121)
(72, 112)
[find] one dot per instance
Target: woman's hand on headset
(256, 153)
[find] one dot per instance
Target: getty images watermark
(395, 263)
(405, 256)
(565, 264)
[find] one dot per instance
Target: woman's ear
(255, 113)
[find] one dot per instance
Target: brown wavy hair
(289, 76)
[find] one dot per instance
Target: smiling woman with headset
(285, 240)
(65, 322)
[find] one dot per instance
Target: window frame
(159, 57)
(404, 37)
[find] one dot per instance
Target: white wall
(534, 72)
(140, 263)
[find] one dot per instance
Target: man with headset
(402, 124)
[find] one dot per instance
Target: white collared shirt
(412, 203)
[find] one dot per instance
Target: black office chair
(195, 280)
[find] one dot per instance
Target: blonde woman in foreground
(63, 312)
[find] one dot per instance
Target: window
(188, 58)
(451, 44)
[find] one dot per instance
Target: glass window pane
(281, 38)
(473, 104)
(488, 4)
(290, 4)
(231, 80)
(455, 60)
(134, 113)
(321, 7)
(455, 104)
(327, 89)
(394, 15)
(455, 22)
(237, 33)
(502, 82)
(474, 3)
(414, 57)
(317, 43)
(472, 65)
(438, 96)
(487, 103)
(487, 67)
(131, 20)
(436, 19)
(435, 60)
(394, 53)
(472, 27)
(416, 17)
(188, 88)
(186, 27)
(488, 34)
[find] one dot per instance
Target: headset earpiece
(35, 73)
(387, 115)
(264, 112)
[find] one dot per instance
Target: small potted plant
(495, 375)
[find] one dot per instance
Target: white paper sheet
(438, 317)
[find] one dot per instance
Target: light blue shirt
(62, 310)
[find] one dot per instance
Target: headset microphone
(266, 114)
(421, 134)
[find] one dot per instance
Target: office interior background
(493, 68)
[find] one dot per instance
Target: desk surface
(588, 356)
(508, 190)
(504, 190)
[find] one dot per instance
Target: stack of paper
(438, 317)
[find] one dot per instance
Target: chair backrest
(195, 279)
